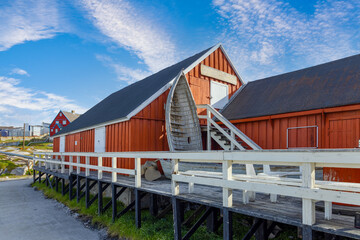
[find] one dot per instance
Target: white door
(62, 144)
(218, 94)
(100, 139)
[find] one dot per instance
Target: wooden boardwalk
(287, 210)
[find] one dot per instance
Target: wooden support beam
(192, 218)
(307, 232)
(100, 198)
(137, 208)
(211, 223)
(227, 224)
(63, 186)
(164, 211)
(78, 189)
(71, 178)
(47, 179)
(57, 184)
(153, 205)
(34, 176)
(255, 227)
(131, 205)
(40, 177)
(198, 223)
(88, 187)
(177, 220)
(261, 232)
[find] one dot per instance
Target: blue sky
(71, 54)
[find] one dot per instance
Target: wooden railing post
(70, 164)
(308, 205)
(87, 162)
(46, 162)
(51, 164)
(137, 172)
(100, 163)
(114, 165)
(328, 210)
(208, 116)
(231, 143)
(175, 185)
(62, 164)
(77, 162)
(227, 175)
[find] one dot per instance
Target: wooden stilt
(307, 232)
(137, 209)
(71, 187)
(211, 223)
(176, 216)
(78, 188)
(227, 224)
(261, 232)
(153, 205)
(100, 198)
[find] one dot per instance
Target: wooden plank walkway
(287, 210)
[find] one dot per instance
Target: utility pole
(24, 138)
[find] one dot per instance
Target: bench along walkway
(267, 198)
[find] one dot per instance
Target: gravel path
(27, 214)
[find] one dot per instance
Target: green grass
(151, 227)
(7, 164)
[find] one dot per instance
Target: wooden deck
(287, 210)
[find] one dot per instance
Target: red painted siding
(338, 128)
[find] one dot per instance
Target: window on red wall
(64, 122)
(302, 137)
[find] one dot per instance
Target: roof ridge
(306, 68)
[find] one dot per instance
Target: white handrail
(229, 125)
(305, 188)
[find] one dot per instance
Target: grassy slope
(152, 228)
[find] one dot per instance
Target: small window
(60, 114)
(302, 137)
(57, 122)
(64, 122)
(52, 130)
(56, 130)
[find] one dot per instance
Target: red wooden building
(61, 120)
(133, 118)
(316, 107)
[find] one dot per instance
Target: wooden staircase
(224, 142)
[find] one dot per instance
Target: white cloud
(28, 20)
(264, 36)
(128, 28)
(122, 72)
(19, 71)
(19, 104)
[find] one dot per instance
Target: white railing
(307, 188)
(234, 131)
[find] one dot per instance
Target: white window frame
(64, 122)
(227, 92)
(317, 137)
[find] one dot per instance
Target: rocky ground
(12, 166)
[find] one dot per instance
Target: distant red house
(61, 120)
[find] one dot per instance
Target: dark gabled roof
(121, 103)
(71, 116)
(330, 84)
